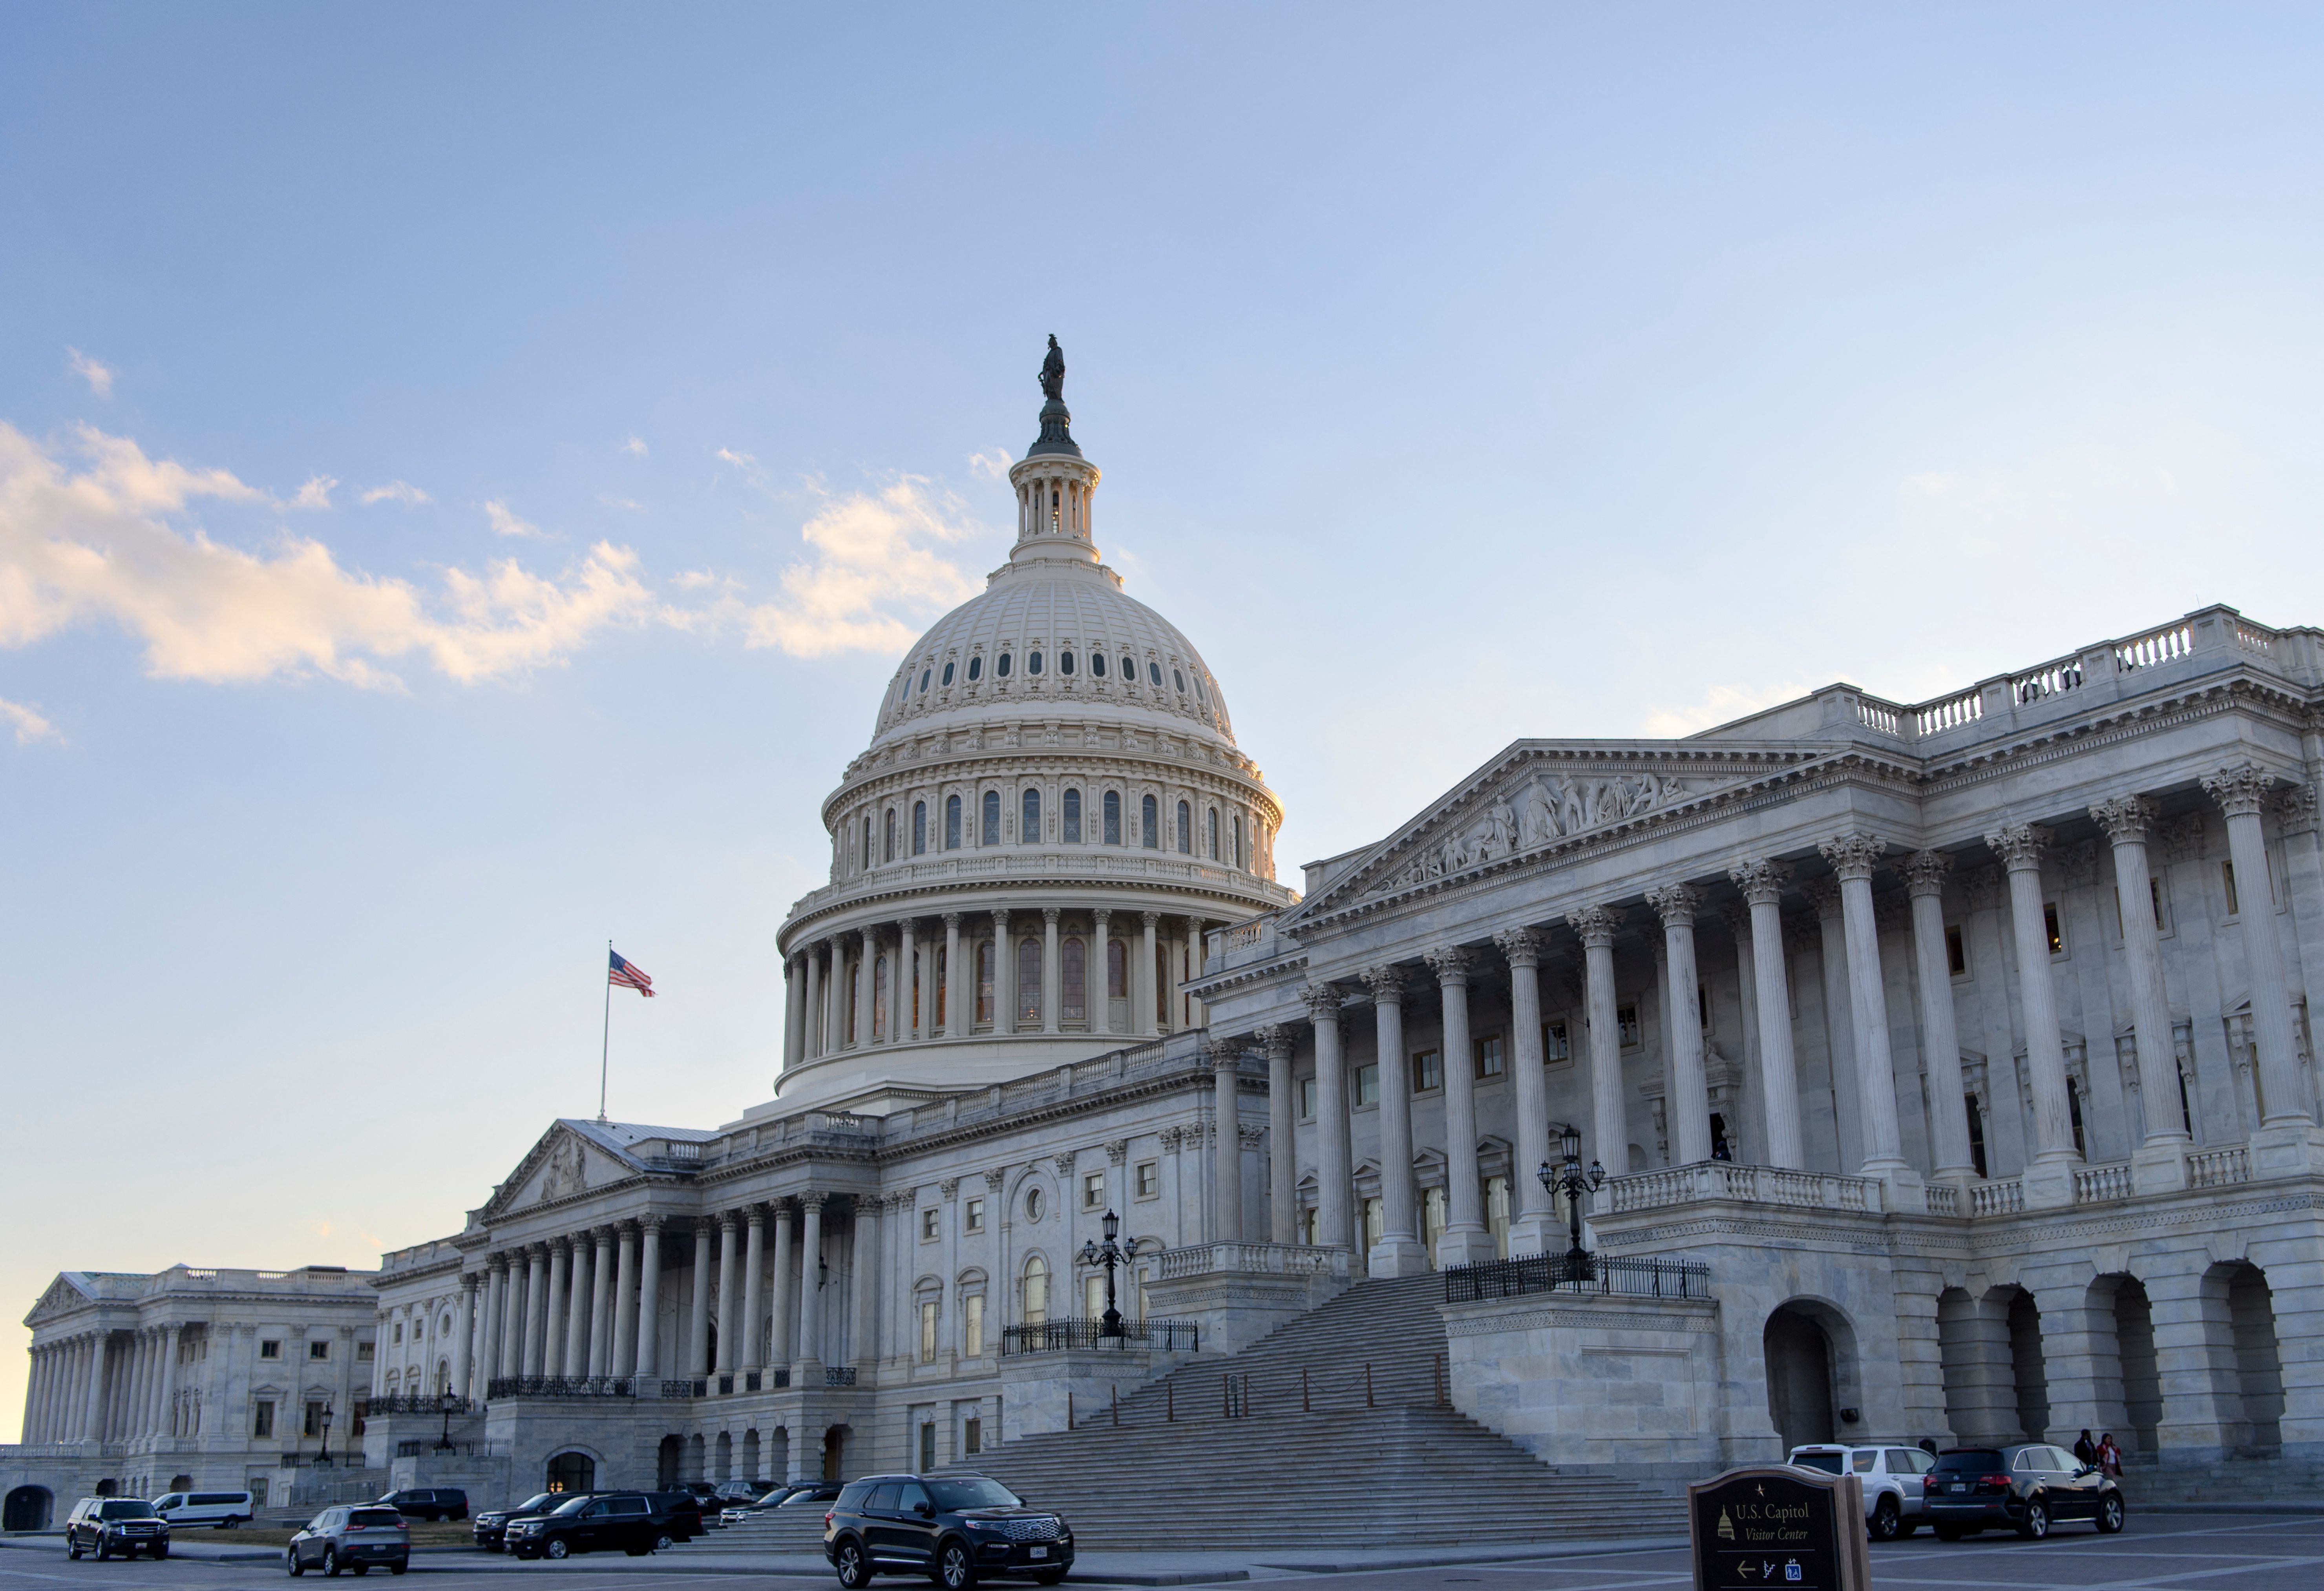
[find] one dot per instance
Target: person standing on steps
(2087, 1451)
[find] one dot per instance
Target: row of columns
(91, 1388)
(817, 979)
(1853, 856)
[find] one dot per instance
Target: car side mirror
(925, 1509)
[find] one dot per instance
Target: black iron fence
(563, 1386)
(1589, 1272)
(686, 1389)
(413, 1403)
(838, 1376)
(1164, 1336)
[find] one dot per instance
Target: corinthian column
(1610, 1127)
(577, 1310)
(728, 1293)
(1004, 974)
(1099, 999)
(1532, 1230)
(794, 1012)
(1465, 1241)
(536, 1307)
(2158, 1166)
(2048, 1181)
(649, 1362)
(1226, 1062)
(866, 965)
(753, 1263)
(1853, 856)
(809, 1373)
(958, 1020)
(1282, 1125)
(1143, 994)
(1051, 978)
(1334, 1163)
(1924, 880)
(2284, 1110)
(811, 1004)
(1690, 1097)
(1762, 884)
(462, 1345)
(697, 1336)
(1399, 1252)
(623, 1360)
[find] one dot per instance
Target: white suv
(1892, 1477)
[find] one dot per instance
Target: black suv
(491, 1527)
(959, 1528)
(429, 1502)
(599, 1522)
(110, 1525)
(2029, 1487)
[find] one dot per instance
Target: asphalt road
(2194, 1551)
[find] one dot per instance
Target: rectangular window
(1976, 1135)
(1703, 1005)
(928, 1446)
(1375, 1221)
(2155, 894)
(2228, 878)
(1427, 1071)
(1625, 1023)
(991, 817)
(314, 1417)
(931, 1224)
(262, 1423)
(919, 828)
(1488, 1057)
(1556, 1045)
(1151, 835)
(2074, 1114)
(1309, 1219)
(1956, 952)
(972, 1325)
(1093, 1191)
(972, 1215)
(1367, 1084)
(398, 1332)
(270, 1350)
(952, 823)
(1149, 1179)
(2050, 926)
(1433, 1215)
(927, 1332)
(1497, 1214)
(972, 1437)
(1093, 1297)
(1306, 1099)
(363, 1353)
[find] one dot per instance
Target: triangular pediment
(1541, 797)
(562, 1164)
(63, 1296)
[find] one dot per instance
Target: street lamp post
(1573, 1181)
(324, 1455)
(448, 1403)
(1109, 1254)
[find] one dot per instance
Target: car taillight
(827, 1518)
(1994, 1480)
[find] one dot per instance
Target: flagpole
(605, 1048)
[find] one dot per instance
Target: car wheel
(2111, 1513)
(331, 1562)
(1049, 1577)
(2036, 1522)
(72, 1550)
(955, 1569)
(1947, 1532)
(1887, 1520)
(160, 1552)
(360, 1569)
(854, 1573)
(290, 1561)
(556, 1548)
(397, 1568)
(662, 1543)
(103, 1551)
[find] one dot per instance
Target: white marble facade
(1963, 1048)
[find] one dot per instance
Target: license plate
(1040, 1553)
(1957, 1488)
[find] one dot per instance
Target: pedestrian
(2109, 1455)
(2087, 1451)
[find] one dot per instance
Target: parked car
(115, 1526)
(593, 1522)
(796, 1494)
(491, 1527)
(355, 1536)
(218, 1510)
(1893, 1494)
(681, 1513)
(960, 1529)
(735, 1492)
(2030, 1487)
(429, 1502)
(706, 1501)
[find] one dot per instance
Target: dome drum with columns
(1052, 814)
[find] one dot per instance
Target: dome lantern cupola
(1054, 482)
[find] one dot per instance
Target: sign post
(1776, 1527)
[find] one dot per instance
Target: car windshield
(372, 1518)
(777, 1496)
(1829, 1463)
(1977, 1460)
(574, 1505)
(534, 1504)
(128, 1510)
(951, 1496)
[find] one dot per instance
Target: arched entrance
(572, 1472)
(27, 1509)
(668, 1459)
(1799, 1378)
(835, 1453)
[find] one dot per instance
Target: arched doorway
(1799, 1378)
(2259, 1366)
(668, 1459)
(572, 1472)
(27, 1509)
(2030, 1370)
(835, 1453)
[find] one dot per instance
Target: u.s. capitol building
(1950, 1066)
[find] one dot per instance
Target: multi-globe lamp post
(1108, 1254)
(1571, 1180)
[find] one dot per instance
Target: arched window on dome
(1029, 980)
(1072, 992)
(1152, 836)
(952, 823)
(1181, 678)
(887, 836)
(1036, 1292)
(1240, 859)
(919, 828)
(1154, 673)
(1065, 662)
(1097, 664)
(1211, 831)
(976, 668)
(867, 839)
(1117, 969)
(879, 997)
(1114, 817)
(1029, 824)
(991, 818)
(1129, 669)
(924, 682)
(1003, 670)
(1033, 662)
(984, 958)
(1073, 817)
(1186, 830)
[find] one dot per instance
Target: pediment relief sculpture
(1529, 813)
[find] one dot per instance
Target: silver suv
(1893, 1497)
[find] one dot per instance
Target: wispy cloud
(505, 523)
(875, 576)
(99, 377)
(316, 493)
(402, 491)
(703, 580)
(635, 445)
(991, 464)
(107, 542)
(27, 722)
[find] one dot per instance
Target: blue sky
(467, 473)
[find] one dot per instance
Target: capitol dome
(1050, 821)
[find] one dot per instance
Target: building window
(919, 828)
(924, 680)
(1128, 671)
(1036, 1292)
(1154, 673)
(270, 1350)
(1306, 1099)
(1556, 1045)
(952, 823)
(1211, 831)
(2074, 1114)
(1003, 671)
(972, 1429)
(2226, 877)
(362, 1354)
(1034, 1205)
(927, 1332)
(972, 1215)
(398, 1336)
(972, 1328)
(985, 956)
(1238, 842)
(1065, 662)
(1073, 998)
(1367, 1084)
(1073, 816)
(928, 1427)
(991, 817)
(1152, 836)
(1427, 1071)
(1094, 1296)
(1032, 662)
(1375, 1220)
(1488, 1057)
(1148, 1179)
(1625, 1023)
(1114, 817)
(867, 839)
(321, 1348)
(931, 1224)
(314, 1425)
(262, 1420)
(1029, 829)
(2053, 928)
(947, 675)
(1097, 663)
(1093, 1191)
(1309, 1220)
(1029, 980)
(887, 836)
(1956, 952)
(1497, 1214)
(1117, 969)
(1179, 676)
(1186, 830)
(1976, 1135)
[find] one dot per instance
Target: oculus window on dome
(924, 680)
(1181, 678)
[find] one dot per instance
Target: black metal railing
(686, 1389)
(562, 1386)
(839, 1376)
(1590, 1272)
(413, 1403)
(421, 1447)
(1168, 1336)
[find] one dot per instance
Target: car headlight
(979, 1524)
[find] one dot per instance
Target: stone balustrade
(2219, 1168)
(1253, 1259)
(2094, 1184)
(1748, 1184)
(2003, 1198)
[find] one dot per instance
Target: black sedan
(2030, 1488)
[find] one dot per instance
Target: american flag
(624, 975)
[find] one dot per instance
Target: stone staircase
(1332, 1430)
(777, 1529)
